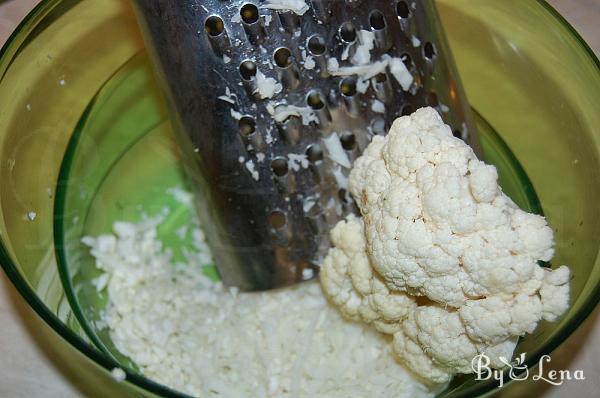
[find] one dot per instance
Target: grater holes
(289, 20)
(315, 100)
(290, 128)
(247, 126)
(316, 45)
(279, 166)
(214, 26)
(377, 20)
(382, 87)
(402, 9)
(378, 24)
(282, 57)
(248, 70)
(347, 32)
(348, 141)
(288, 73)
(277, 219)
(314, 153)
(253, 27)
(407, 110)
(249, 13)
(429, 50)
(348, 87)
(381, 78)
(432, 99)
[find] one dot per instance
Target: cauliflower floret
(555, 293)
(441, 258)
(535, 234)
(437, 223)
(392, 307)
(348, 280)
(443, 335)
(336, 285)
(482, 181)
(493, 320)
(411, 352)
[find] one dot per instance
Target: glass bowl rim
(11, 48)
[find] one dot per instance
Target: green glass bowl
(525, 70)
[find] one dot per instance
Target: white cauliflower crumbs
(296, 6)
(309, 203)
(226, 59)
(378, 106)
(366, 42)
(442, 259)
(309, 63)
(269, 136)
(365, 71)
(332, 64)
(118, 374)
(346, 51)
(297, 161)
(31, 215)
(340, 178)
(415, 41)
(362, 85)
(101, 282)
(236, 18)
(369, 70)
(250, 167)
(181, 195)
(266, 87)
(281, 112)
(335, 150)
(400, 72)
(228, 96)
(192, 334)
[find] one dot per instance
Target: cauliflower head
(441, 258)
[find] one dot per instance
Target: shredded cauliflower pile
(441, 259)
(187, 332)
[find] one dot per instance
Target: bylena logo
(517, 370)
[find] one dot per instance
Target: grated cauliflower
(441, 259)
(196, 336)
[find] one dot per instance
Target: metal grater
(271, 173)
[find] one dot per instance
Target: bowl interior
(122, 163)
(73, 68)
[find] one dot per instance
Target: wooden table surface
(34, 361)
